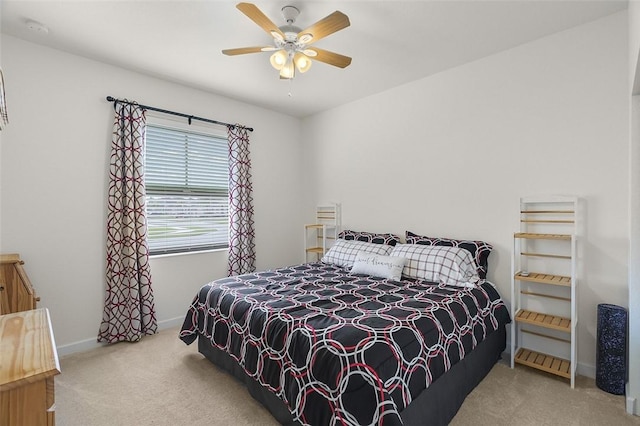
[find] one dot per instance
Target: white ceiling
(391, 42)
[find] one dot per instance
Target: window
(187, 179)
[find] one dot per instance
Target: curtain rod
(165, 111)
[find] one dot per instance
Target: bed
(364, 336)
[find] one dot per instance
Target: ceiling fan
(291, 45)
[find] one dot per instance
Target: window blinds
(186, 178)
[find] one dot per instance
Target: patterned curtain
(242, 248)
(129, 311)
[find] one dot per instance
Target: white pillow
(343, 252)
(440, 264)
(378, 265)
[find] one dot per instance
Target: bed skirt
(436, 405)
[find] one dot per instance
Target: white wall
(441, 156)
(451, 154)
(633, 389)
(54, 182)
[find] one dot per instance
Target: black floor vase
(611, 352)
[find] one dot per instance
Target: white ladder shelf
(320, 236)
(543, 286)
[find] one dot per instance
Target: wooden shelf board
(547, 211)
(553, 256)
(549, 296)
(546, 221)
(550, 364)
(552, 322)
(314, 226)
(315, 250)
(534, 236)
(537, 277)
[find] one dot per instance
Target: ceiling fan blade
(244, 50)
(256, 15)
(331, 58)
(326, 26)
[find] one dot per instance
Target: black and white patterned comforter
(341, 348)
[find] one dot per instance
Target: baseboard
(172, 322)
(586, 370)
(80, 346)
(631, 402)
(88, 344)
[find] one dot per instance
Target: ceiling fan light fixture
(310, 53)
(288, 71)
(302, 62)
(279, 59)
(305, 38)
(277, 35)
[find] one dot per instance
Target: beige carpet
(161, 381)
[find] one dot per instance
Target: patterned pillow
(370, 237)
(343, 253)
(439, 264)
(478, 249)
(379, 266)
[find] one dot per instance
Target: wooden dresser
(16, 291)
(28, 364)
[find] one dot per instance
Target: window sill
(187, 253)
